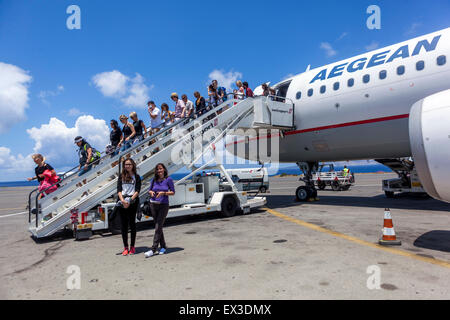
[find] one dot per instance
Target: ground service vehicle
(337, 180)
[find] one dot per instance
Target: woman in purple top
(161, 188)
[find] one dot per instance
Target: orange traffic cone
(389, 237)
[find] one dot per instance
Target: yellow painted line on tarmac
(308, 225)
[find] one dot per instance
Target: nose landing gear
(308, 192)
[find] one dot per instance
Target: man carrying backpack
(221, 92)
(88, 155)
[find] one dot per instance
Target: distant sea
(288, 170)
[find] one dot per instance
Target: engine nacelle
(429, 134)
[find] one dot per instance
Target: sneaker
(132, 250)
(148, 254)
(162, 251)
(125, 251)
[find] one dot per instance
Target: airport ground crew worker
(346, 171)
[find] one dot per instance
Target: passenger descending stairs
(168, 146)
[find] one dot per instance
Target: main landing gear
(308, 192)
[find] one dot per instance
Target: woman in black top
(200, 104)
(39, 170)
(128, 133)
(115, 136)
(41, 167)
(128, 188)
(139, 128)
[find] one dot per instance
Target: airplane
(392, 102)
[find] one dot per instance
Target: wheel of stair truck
(114, 223)
(321, 185)
(229, 206)
(262, 189)
(303, 193)
(335, 186)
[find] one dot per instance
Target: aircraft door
(281, 91)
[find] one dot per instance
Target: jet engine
(429, 133)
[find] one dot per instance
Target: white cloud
(13, 95)
(342, 36)
(12, 165)
(111, 84)
(137, 93)
(132, 92)
(225, 79)
(56, 141)
(328, 49)
(74, 112)
(374, 45)
(43, 95)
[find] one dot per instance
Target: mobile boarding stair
(172, 146)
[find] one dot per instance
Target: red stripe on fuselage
(348, 124)
(334, 126)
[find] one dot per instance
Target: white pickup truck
(337, 180)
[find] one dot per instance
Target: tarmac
(327, 249)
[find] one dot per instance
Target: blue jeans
(84, 170)
(138, 139)
(126, 145)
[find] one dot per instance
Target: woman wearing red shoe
(128, 188)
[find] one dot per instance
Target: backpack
(95, 154)
(224, 93)
(48, 184)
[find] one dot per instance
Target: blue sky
(161, 47)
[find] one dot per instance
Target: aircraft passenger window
(336, 86)
(383, 74)
(366, 78)
(401, 70)
(441, 60)
(323, 89)
(351, 82)
(310, 92)
(299, 95)
(420, 65)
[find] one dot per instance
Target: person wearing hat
(86, 154)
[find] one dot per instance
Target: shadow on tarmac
(379, 201)
(435, 240)
(64, 235)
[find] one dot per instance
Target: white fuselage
(366, 120)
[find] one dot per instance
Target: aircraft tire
(303, 193)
